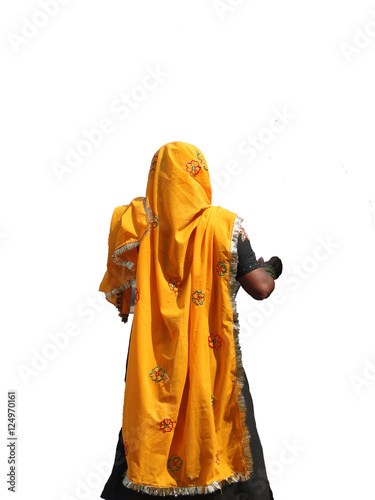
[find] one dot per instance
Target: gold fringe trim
(189, 490)
(233, 289)
(120, 288)
(117, 259)
(128, 246)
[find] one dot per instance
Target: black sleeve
(246, 257)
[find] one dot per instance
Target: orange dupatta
(184, 428)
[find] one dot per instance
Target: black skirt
(255, 488)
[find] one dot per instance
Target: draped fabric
(184, 429)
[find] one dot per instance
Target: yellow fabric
(184, 428)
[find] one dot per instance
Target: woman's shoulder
(225, 215)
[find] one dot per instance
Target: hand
(276, 263)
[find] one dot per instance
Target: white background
(226, 70)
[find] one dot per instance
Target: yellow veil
(184, 427)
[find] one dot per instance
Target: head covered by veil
(184, 428)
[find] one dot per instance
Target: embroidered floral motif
(126, 448)
(166, 425)
(153, 163)
(175, 463)
(243, 233)
(174, 285)
(200, 159)
(136, 296)
(214, 341)
(217, 460)
(221, 268)
(198, 298)
(212, 400)
(193, 167)
(157, 374)
(155, 220)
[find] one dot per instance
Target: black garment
(255, 488)
(246, 257)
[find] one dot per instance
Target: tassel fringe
(120, 288)
(190, 490)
